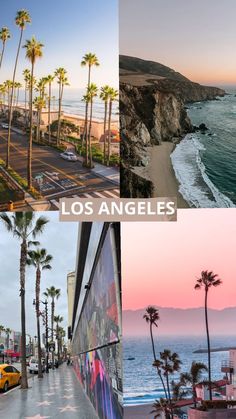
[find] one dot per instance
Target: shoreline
(138, 412)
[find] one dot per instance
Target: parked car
(9, 376)
(68, 155)
(5, 126)
(33, 366)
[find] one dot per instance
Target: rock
(203, 127)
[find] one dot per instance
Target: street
(58, 395)
(54, 177)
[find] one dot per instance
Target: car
(33, 366)
(9, 376)
(5, 126)
(68, 155)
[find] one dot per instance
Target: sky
(60, 240)
(196, 38)
(68, 30)
(161, 261)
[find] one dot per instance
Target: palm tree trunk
(2, 53)
(109, 134)
(25, 105)
(85, 135)
(49, 112)
(169, 395)
(208, 346)
(37, 294)
(31, 130)
(104, 130)
(11, 104)
(52, 324)
(89, 135)
(59, 114)
(194, 396)
(23, 258)
(155, 358)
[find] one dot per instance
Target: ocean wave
(195, 185)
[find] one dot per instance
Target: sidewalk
(58, 395)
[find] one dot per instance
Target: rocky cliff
(152, 110)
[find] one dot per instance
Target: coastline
(161, 173)
(138, 412)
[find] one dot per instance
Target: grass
(21, 181)
(6, 194)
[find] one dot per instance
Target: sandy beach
(161, 173)
(138, 412)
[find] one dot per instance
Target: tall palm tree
(152, 317)
(62, 81)
(89, 60)
(3, 92)
(33, 52)
(91, 94)
(50, 79)
(39, 104)
(170, 363)
(23, 226)
(113, 94)
(18, 86)
(58, 319)
(206, 281)
(41, 260)
(193, 377)
(21, 20)
(2, 329)
(104, 95)
(4, 36)
(8, 332)
(26, 74)
(54, 294)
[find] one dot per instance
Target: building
(70, 303)
(229, 368)
(96, 319)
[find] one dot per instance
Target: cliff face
(152, 99)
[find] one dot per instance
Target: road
(58, 395)
(52, 176)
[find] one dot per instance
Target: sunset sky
(68, 30)
(161, 261)
(196, 38)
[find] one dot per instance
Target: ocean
(204, 164)
(141, 383)
(72, 103)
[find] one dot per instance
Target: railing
(227, 364)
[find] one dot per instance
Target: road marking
(54, 202)
(111, 194)
(117, 190)
(99, 194)
(52, 180)
(87, 195)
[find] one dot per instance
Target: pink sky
(161, 261)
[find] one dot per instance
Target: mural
(98, 323)
(101, 376)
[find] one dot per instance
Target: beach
(161, 173)
(138, 412)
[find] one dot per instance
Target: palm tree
(41, 260)
(8, 332)
(89, 60)
(3, 92)
(2, 329)
(53, 293)
(50, 80)
(58, 319)
(33, 51)
(21, 20)
(152, 317)
(193, 377)
(18, 86)
(91, 94)
(62, 81)
(169, 363)
(104, 95)
(23, 226)
(39, 104)
(26, 74)
(4, 36)
(113, 94)
(206, 281)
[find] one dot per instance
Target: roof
(215, 384)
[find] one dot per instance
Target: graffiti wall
(96, 346)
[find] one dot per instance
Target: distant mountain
(176, 321)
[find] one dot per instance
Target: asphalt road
(52, 176)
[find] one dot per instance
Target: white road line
(117, 190)
(111, 194)
(52, 180)
(99, 194)
(87, 195)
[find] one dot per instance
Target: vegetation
(4, 36)
(54, 294)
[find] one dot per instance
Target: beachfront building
(229, 368)
(96, 320)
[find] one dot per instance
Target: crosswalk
(113, 193)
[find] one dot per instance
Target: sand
(138, 412)
(161, 173)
